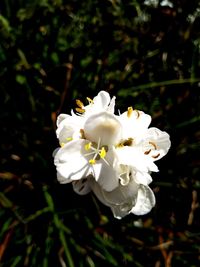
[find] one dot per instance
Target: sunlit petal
(160, 141)
(70, 162)
(104, 127)
(145, 201)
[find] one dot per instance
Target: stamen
(128, 142)
(129, 112)
(90, 100)
(102, 153)
(155, 157)
(98, 152)
(147, 152)
(119, 145)
(80, 110)
(82, 134)
(92, 161)
(69, 138)
(138, 113)
(88, 146)
(62, 144)
(79, 103)
(153, 144)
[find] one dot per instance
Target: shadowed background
(52, 52)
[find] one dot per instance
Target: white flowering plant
(111, 155)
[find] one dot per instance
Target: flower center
(96, 150)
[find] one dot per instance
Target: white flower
(133, 197)
(112, 155)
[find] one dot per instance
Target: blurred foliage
(53, 51)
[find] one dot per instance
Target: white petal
(105, 171)
(81, 187)
(65, 133)
(104, 127)
(55, 151)
(121, 200)
(135, 124)
(122, 194)
(133, 156)
(100, 103)
(121, 211)
(143, 178)
(145, 201)
(70, 162)
(111, 107)
(102, 100)
(60, 118)
(69, 127)
(161, 141)
(105, 175)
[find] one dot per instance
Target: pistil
(98, 152)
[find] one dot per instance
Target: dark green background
(54, 51)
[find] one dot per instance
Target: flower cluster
(110, 155)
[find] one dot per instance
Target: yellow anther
(88, 146)
(127, 142)
(102, 153)
(119, 145)
(129, 112)
(92, 161)
(90, 100)
(62, 144)
(80, 110)
(79, 103)
(69, 138)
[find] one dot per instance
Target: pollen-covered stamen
(138, 113)
(79, 103)
(62, 144)
(147, 152)
(102, 153)
(152, 150)
(69, 139)
(80, 108)
(98, 152)
(153, 144)
(90, 100)
(127, 142)
(92, 161)
(82, 133)
(88, 146)
(156, 156)
(129, 112)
